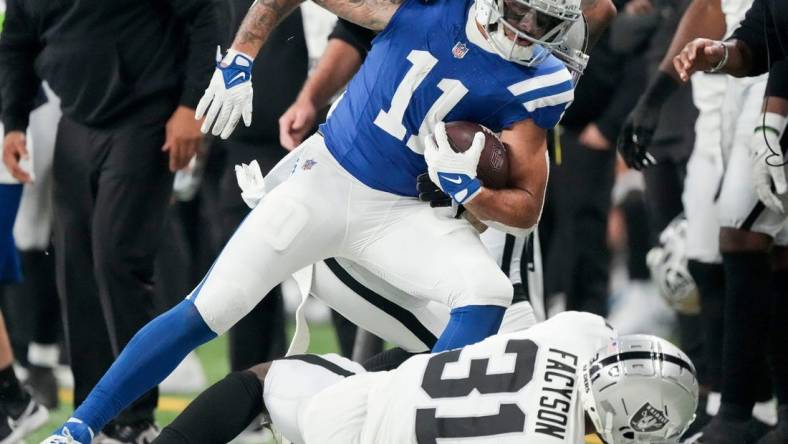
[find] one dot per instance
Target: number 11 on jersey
(452, 91)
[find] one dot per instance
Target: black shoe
(701, 420)
(756, 429)
(777, 435)
(13, 429)
(43, 386)
(143, 432)
(719, 431)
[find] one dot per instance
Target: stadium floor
(214, 360)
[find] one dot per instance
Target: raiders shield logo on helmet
(648, 419)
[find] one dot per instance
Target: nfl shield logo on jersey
(648, 419)
(308, 164)
(459, 50)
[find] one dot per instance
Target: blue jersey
(432, 64)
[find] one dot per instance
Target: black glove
(640, 125)
(429, 192)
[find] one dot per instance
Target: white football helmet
(668, 264)
(573, 50)
(526, 31)
(640, 389)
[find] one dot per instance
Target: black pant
(31, 307)
(111, 189)
(575, 224)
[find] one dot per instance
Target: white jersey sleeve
(510, 388)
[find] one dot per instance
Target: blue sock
(468, 325)
(151, 355)
(10, 269)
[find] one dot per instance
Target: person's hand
(182, 138)
(14, 150)
(636, 135)
(454, 173)
(638, 7)
(228, 97)
(593, 138)
(768, 163)
(250, 180)
(698, 55)
(296, 122)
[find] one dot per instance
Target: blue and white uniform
(430, 64)
(351, 196)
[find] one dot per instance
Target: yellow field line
(170, 404)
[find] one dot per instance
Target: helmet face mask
(526, 31)
(640, 389)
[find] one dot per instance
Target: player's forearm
(777, 105)
(262, 18)
(739, 62)
(264, 15)
(598, 14)
(513, 207)
(339, 64)
(703, 18)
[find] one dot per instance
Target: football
(493, 169)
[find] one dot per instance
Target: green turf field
(214, 360)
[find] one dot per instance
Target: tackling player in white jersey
(534, 386)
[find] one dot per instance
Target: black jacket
(765, 31)
(113, 63)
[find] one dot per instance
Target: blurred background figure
(127, 123)
(574, 222)
(32, 305)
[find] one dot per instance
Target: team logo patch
(308, 164)
(648, 419)
(459, 50)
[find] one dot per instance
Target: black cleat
(143, 432)
(719, 431)
(14, 428)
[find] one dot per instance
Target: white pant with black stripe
(321, 211)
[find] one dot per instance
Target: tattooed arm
(264, 15)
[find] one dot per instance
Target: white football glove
(251, 181)
(454, 173)
(229, 95)
(768, 163)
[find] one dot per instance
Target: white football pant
(321, 211)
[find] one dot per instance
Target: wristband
(772, 122)
(719, 66)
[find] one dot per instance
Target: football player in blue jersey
(352, 192)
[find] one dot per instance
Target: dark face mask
(528, 20)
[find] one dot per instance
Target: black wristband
(659, 89)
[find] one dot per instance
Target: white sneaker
(12, 430)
